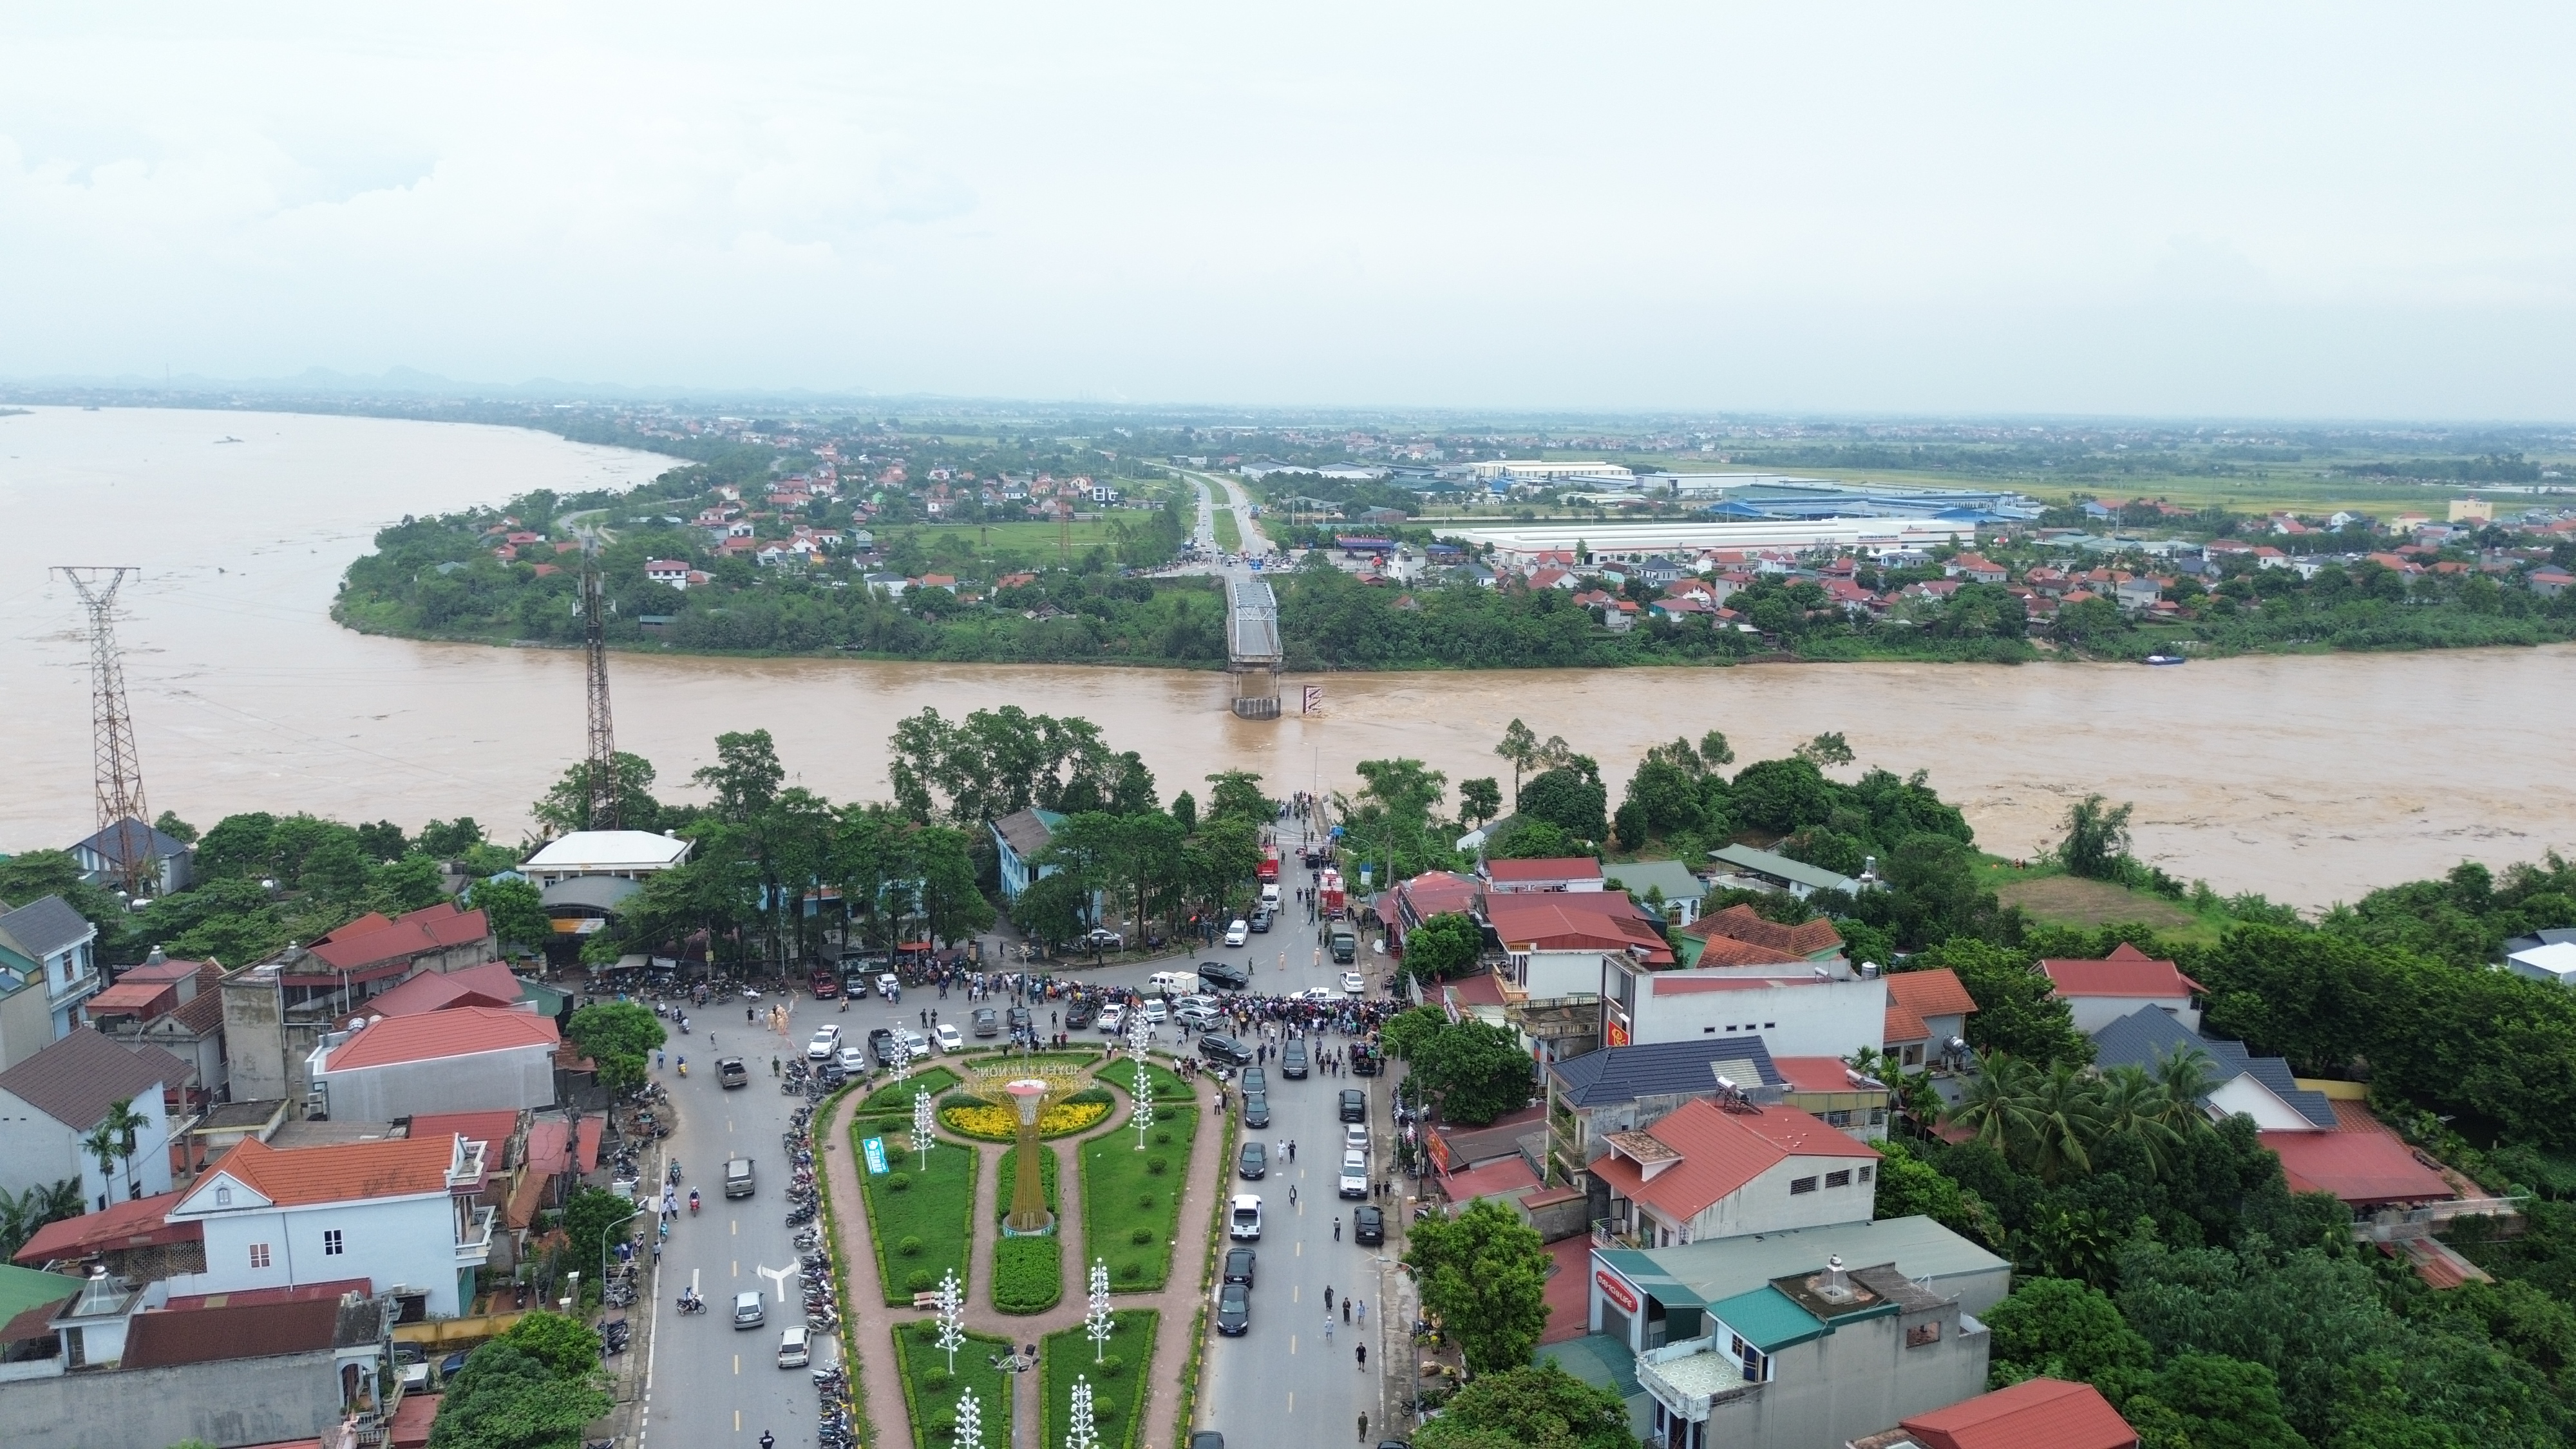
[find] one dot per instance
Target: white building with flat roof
(632, 854)
(1521, 543)
(1536, 470)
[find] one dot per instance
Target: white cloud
(1833, 206)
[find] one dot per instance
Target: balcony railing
(1607, 1234)
(474, 1242)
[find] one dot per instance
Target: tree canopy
(1484, 1274)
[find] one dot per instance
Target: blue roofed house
(1019, 838)
(1624, 1089)
(169, 862)
(2259, 1087)
(46, 949)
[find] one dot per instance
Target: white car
(1355, 1137)
(825, 1042)
(950, 1039)
(889, 986)
(1353, 983)
(1238, 933)
(1244, 1223)
(1195, 1003)
(1155, 1013)
(1355, 1174)
(854, 1062)
(1311, 993)
(1113, 1018)
(914, 1043)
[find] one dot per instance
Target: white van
(793, 1351)
(1174, 983)
(1270, 896)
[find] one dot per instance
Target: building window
(1877, 1116)
(1838, 1118)
(1923, 1335)
(1914, 1056)
(1832, 1179)
(331, 1243)
(1864, 1173)
(1770, 1026)
(1798, 1185)
(223, 1197)
(259, 1255)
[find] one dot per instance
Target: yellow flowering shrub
(1002, 1124)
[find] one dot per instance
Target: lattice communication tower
(119, 767)
(604, 794)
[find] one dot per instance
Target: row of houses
(1701, 1159)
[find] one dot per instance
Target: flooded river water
(2310, 779)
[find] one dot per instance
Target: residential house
(2552, 961)
(1813, 1358)
(279, 1371)
(2041, 1413)
(168, 862)
(1975, 569)
(2259, 1087)
(275, 1011)
(1554, 942)
(52, 1101)
(46, 940)
(1668, 884)
(1927, 1011)
(398, 1212)
(2098, 993)
(1642, 1299)
(1523, 877)
(668, 571)
(1798, 1010)
(177, 1006)
(462, 1059)
(491, 984)
(1628, 1089)
(1432, 893)
(1813, 940)
(1846, 1100)
(1722, 1169)
(2549, 583)
(1018, 839)
(1751, 869)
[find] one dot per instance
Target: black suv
(1354, 1105)
(1020, 1020)
(881, 1045)
(1368, 1226)
(1220, 1048)
(1224, 974)
(1080, 1015)
(1238, 1266)
(987, 1022)
(1292, 1059)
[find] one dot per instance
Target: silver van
(792, 1350)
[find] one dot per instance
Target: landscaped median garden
(930, 1391)
(920, 1217)
(1118, 1382)
(1131, 1200)
(1028, 1273)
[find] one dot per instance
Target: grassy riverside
(1116, 1388)
(936, 1208)
(1116, 1181)
(930, 1394)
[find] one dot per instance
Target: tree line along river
(2309, 778)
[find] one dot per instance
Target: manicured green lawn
(897, 1096)
(932, 1394)
(1028, 1274)
(1167, 1084)
(1229, 534)
(935, 1208)
(1115, 1386)
(1122, 1193)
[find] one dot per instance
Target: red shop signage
(1616, 1291)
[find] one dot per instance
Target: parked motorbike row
(833, 1427)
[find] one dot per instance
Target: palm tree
(1990, 1105)
(2132, 1103)
(22, 1213)
(101, 1143)
(2064, 1117)
(112, 1141)
(2184, 1076)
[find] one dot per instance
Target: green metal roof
(25, 1288)
(1766, 1319)
(1640, 1268)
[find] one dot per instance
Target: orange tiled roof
(1722, 1151)
(1741, 923)
(455, 1032)
(1930, 993)
(1902, 1025)
(341, 1172)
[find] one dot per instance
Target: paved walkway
(1177, 1301)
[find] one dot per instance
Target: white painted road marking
(779, 1277)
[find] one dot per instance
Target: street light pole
(603, 1244)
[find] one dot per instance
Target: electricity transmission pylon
(603, 804)
(119, 767)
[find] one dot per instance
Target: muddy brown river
(2310, 779)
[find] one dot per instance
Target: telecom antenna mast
(119, 767)
(603, 804)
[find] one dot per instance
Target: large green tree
(508, 1399)
(1535, 1406)
(619, 1036)
(1442, 946)
(1569, 797)
(516, 909)
(564, 1344)
(1475, 1070)
(1484, 1274)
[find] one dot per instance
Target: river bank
(2309, 778)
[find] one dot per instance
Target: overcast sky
(2318, 211)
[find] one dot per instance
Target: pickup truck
(1346, 945)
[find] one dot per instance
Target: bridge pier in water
(1253, 653)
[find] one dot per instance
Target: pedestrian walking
(1328, 1298)
(1292, 1149)
(1363, 1426)
(1328, 1316)
(1362, 1349)
(1363, 1309)
(1346, 1303)
(1337, 1230)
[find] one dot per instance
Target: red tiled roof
(214, 1335)
(432, 928)
(296, 1293)
(549, 1146)
(1439, 892)
(2032, 1414)
(1575, 921)
(490, 984)
(1814, 1074)
(137, 1224)
(1741, 923)
(409, 1428)
(1723, 951)
(1902, 1025)
(136, 997)
(2127, 971)
(341, 1172)
(1566, 867)
(2362, 1168)
(1930, 993)
(1494, 1179)
(1721, 1152)
(493, 1127)
(456, 1032)
(1480, 989)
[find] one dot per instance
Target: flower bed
(1002, 1124)
(1028, 1274)
(1125, 1197)
(1118, 1383)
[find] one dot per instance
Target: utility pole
(603, 803)
(119, 768)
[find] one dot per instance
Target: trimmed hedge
(1028, 1274)
(1118, 1384)
(930, 1395)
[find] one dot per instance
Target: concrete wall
(1818, 1019)
(391, 1242)
(1765, 1205)
(34, 1148)
(1857, 1380)
(26, 1026)
(260, 1061)
(2092, 1013)
(521, 1077)
(242, 1401)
